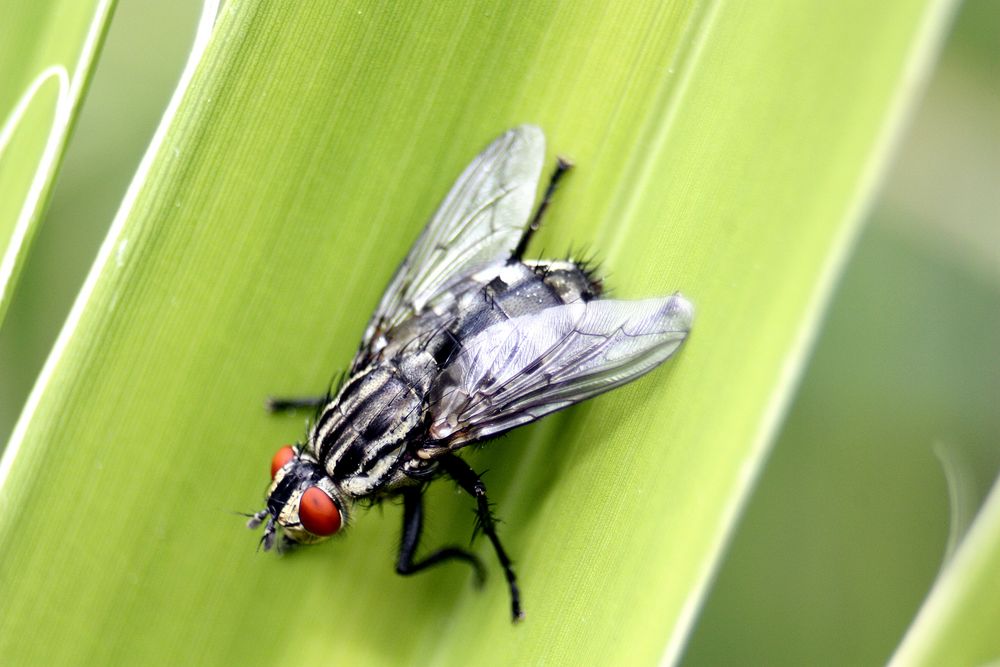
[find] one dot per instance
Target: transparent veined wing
(514, 372)
(478, 223)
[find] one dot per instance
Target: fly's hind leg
(413, 524)
(470, 482)
(562, 166)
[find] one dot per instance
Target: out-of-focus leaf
(47, 49)
(957, 624)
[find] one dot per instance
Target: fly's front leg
(413, 524)
(470, 482)
(286, 404)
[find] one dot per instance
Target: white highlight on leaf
(120, 255)
(953, 590)
(206, 23)
(959, 474)
(69, 93)
(59, 73)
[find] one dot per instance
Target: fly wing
(516, 371)
(479, 222)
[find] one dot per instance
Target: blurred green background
(852, 517)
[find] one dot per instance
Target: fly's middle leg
(413, 524)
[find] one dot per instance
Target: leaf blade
(46, 64)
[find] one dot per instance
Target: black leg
(562, 166)
(413, 523)
(275, 404)
(467, 478)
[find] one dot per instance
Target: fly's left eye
(280, 458)
(318, 513)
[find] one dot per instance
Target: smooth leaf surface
(723, 152)
(957, 623)
(848, 525)
(47, 49)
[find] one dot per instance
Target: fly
(469, 341)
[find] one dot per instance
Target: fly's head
(302, 500)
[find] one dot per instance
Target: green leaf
(47, 49)
(851, 512)
(957, 623)
(721, 152)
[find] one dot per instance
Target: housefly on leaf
(469, 341)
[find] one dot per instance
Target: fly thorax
(361, 436)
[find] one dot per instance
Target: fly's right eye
(318, 513)
(280, 458)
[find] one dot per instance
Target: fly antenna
(255, 519)
(267, 539)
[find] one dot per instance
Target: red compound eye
(317, 512)
(280, 458)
